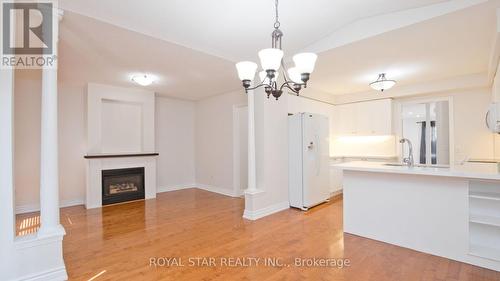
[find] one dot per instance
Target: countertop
(467, 170)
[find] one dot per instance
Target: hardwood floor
(117, 243)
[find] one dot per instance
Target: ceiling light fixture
(382, 83)
(271, 60)
(143, 79)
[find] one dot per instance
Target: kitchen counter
(449, 212)
(480, 171)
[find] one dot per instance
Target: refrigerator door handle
(318, 155)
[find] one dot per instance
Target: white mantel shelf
(467, 170)
(93, 156)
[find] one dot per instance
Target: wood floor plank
(117, 242)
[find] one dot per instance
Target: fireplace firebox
(121, 185)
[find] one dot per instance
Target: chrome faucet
(409, 161)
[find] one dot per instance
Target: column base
(57, 230)
(253, 191)
(40, 256)
(253, 205)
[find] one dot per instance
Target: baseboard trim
(169, 188)
(336, 193)
(29, 208)
(219, 190)
(257, 214)
(52, 275)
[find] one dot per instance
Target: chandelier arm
(291, 89)
(261, 85)
(287, 85)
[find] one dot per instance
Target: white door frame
(451, 113)
(237, 189)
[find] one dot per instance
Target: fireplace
(121, 185)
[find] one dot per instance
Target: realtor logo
(27, 35)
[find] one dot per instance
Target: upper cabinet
(371, 118)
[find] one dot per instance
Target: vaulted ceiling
(191, 46)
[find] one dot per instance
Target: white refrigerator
(308, 149)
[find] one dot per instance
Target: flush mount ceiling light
(143, 79)
(382, 83)
(271, 60)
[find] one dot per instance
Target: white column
(252, 174)
(7, 214)
(49, 166)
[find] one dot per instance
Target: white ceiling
(191, 46)
(93, 51)
(235, 29)
(452, 45)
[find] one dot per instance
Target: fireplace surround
(96, 164)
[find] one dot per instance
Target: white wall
(175, 141)
(174, 116)
(471, 137)
(214, 141)
(72, 141)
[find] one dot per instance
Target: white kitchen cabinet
(346, 119)
(371, 118)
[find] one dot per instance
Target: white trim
(255, 215)
(236, 149)
(451, 120)
(48, 275)
(220, 190)
(169, 188)
(335, 193)
(36, 240)
(29, 208)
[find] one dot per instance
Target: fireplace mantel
(94, 156)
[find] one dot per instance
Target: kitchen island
(449, 212)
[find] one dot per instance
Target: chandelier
(271, 60)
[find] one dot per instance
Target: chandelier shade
(270, 59)
(246, 70)
(294, 75)
(382, 83)
(305, 62)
